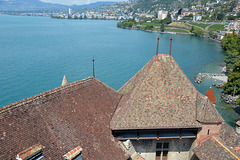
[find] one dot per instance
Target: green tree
(162, 27)
(192, 29)
(230, 59)
(231, 43)
(220, 16)
(198, 32)
(231, 17)
(233, 80)
(119, 24)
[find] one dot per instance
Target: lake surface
(36, 52)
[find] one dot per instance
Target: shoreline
(170, 32)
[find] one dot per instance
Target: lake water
(36, 52)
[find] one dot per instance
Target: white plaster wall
(178, 148)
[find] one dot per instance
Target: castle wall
(208, 130)
(178, 148)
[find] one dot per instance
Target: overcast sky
(78, 2)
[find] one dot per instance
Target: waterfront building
(158, 114)
(232, 25)
(70, 11)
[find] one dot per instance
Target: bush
(238, 101)
(233, 80)
(231, 43)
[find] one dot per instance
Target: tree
(197, 32)
(168, 19)
(162, 27)
(191, 30)
(233, 80)
(220, 16)
(231, 17)
(230, 59)
(231, 43)
(119, 24)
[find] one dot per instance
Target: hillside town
(214, 18)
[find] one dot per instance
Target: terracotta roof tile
(161, 96)
(229, 135)
(210, 95)
(215, 148)
(77, 113)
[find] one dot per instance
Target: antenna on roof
(93, 68)
(157, 45)
(170, 47)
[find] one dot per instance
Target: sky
(78, 2)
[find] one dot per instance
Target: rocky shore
(220, 77)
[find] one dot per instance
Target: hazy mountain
(34, 5)
(92, 5)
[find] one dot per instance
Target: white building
(70, 11)
(162, 14)
(197, 17)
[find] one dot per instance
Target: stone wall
(178, 148)
(208, 130)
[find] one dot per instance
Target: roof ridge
(124, 109)
(171, 58)
(106, 85)
(207, 103)
(135, 74)
(43, 94)
(214, 138)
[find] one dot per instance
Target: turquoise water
(35, 53)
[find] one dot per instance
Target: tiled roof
(161, 96)
(215, 148)
(210, 95)
(229, 135)
(206, 111)
(77, 113)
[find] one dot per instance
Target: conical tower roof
(160, 96)
(64, 81)
(210, 95)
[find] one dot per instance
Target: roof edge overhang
(204, 123)
(49, 92)
(156, 128)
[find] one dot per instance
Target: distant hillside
(92, 5)
(34, 5)
(28, 5)
(153, 5)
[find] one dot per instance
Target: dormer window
(32, 153)
(75, 154)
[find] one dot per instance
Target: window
(208, 132)
(162, 150)
(32, 153)
(75, 154)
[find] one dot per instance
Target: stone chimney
(238, 127)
